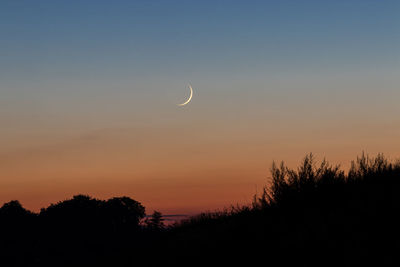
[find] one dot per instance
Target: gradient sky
(88, 94)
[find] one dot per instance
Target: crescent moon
(190, 97)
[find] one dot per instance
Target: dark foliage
(312, 216)
(155, 222)
(74, 232)
(316, 215)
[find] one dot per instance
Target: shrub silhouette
(295, 186)
(310, 216)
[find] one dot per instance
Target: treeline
(81, 230)
(315, 215)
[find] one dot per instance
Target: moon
(190, 97)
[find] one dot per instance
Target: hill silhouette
(315, 215)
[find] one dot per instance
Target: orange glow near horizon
(168, 170)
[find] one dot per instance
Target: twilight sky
(88, 94)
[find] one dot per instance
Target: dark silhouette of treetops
(314, 215)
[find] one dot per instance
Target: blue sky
(185, 37)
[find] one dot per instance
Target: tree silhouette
(13, 209)
(156, 221)
(124, 213)
(17, 234)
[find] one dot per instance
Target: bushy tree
(124, 213)
(13, 209)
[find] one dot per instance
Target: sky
(88, 94)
